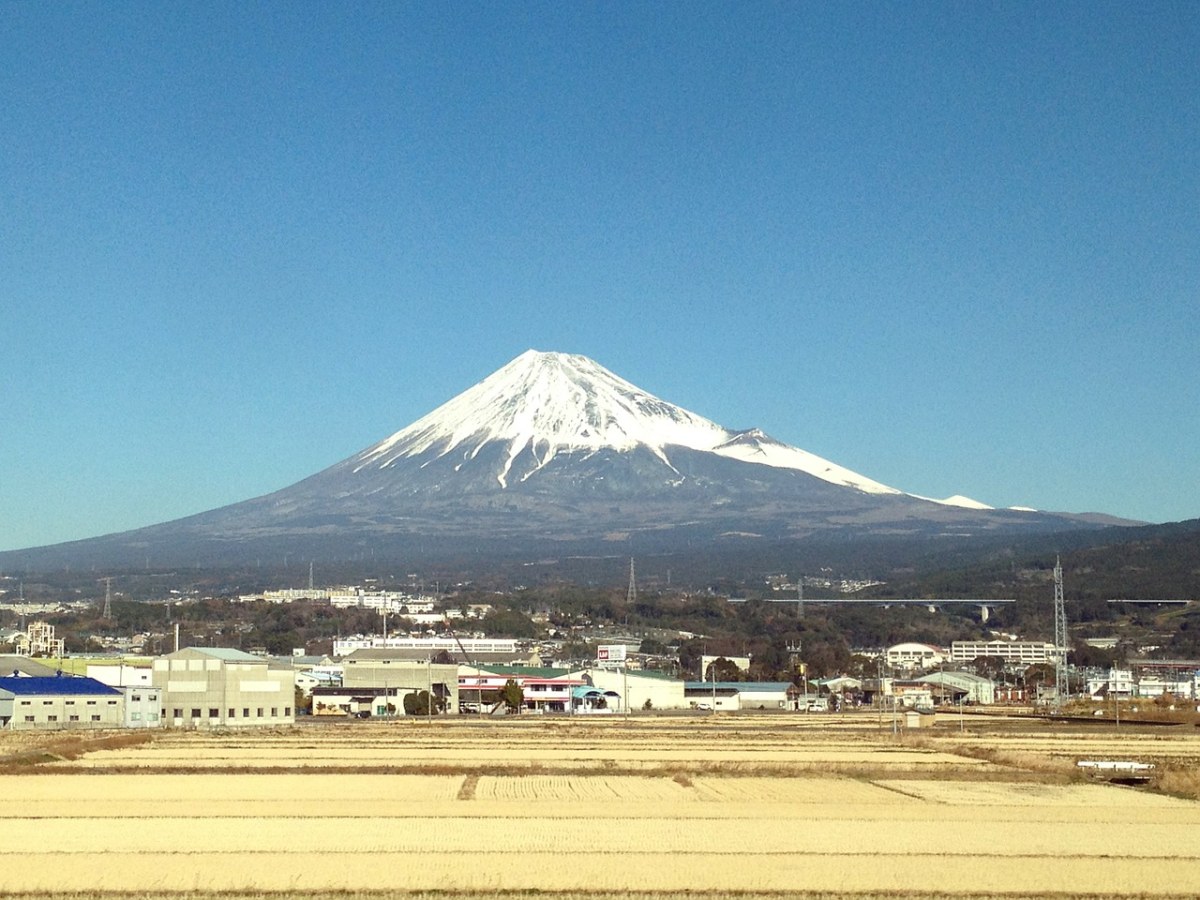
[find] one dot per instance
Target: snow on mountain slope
(964, 502)
(549, 403)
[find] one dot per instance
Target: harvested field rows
(722, 810)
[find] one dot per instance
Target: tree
(722, 669)
(513, 696)
(1039, 673)
(653, 647)
(417, 704)
(989, 666)
(508, 622)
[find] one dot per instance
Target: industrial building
(956, 687)
(218, 687)
(389, 669)
(638, 690)
(59, 701)
(737, 695)
(362, 702)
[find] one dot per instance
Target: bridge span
(933, 604)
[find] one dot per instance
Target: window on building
(287, 711)
(135, 717)
(24, 702)
(246, 712)
(74, 719)
(232, 713)
(47, 703)
(96, 717)
(29, 718)
(151, 717)
(214, 713)
(274, 712)
(91, 703)
(136, 698)
(70, 703)
(260, 712)
(195, 713)
(51, 718)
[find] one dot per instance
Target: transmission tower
(631, 596)
(1060, 637)
(107, 614)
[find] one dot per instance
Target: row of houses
(201, 687)
(1153, 682)
(224, 688)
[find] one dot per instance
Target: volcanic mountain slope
(554, 447)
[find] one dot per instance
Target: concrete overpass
(933, 604)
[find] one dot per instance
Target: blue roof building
(59, 701)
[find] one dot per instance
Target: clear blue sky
(952, 246)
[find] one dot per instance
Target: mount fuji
(555, 450)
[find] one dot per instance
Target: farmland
(712, 806)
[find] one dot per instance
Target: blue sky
(954, 247)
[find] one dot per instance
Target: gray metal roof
(10, 663)
(227, 654)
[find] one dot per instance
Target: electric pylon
(1060, 637)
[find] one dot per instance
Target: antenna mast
(799, 596)
(631, 596)
(1060, 637)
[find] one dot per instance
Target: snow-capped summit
(542, 404)
(546, 403)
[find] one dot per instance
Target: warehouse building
(637, 690)
(389, 669)
(59, 701)
(218, 687)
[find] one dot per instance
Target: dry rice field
(746, 807)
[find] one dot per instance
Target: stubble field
(821, 807)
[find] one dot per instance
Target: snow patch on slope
(956, 500)
(756, 447)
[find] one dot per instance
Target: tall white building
(213, 687)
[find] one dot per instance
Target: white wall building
(143, 705)
(121, 675)
(1117, 683)
(219, 687)
(911, 656)
(635, 688)
(1014, 653)
(432, 645)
